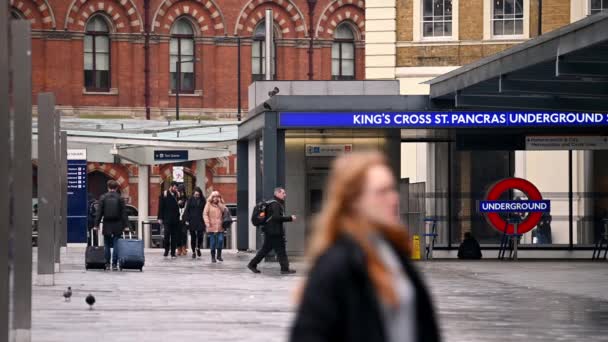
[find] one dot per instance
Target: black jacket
(194, 213)
(340, 304)
(469, 249)
(276, 218)
(112, 226)
(168, 208)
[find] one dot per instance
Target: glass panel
(187, 46)
(509, 27)
(427, 10)
(498, 9)
(88, 79)
(447, 29)
(97, 24)
(187, 67)
(348, 67)
(172, 61)
(509, 8)
(255, 49)
(182, 27)
(519, 27)
(173, 80)
(438, 9)
(187, 81)
(260, 30)
(255, 65)
(437, 29)
(591, 224)
(335, 67)
(427, 29)
(102, 61)
(344, 32)
(88, 61)
(348, 50)
(173, 49)
(102, 79)
(498, 28)
(519, 8)
(88, 43)
(448, 8)
(102, 44)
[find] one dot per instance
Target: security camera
(273, 92)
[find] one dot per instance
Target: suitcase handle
(130, 234)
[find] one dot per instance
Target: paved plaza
(186, 300)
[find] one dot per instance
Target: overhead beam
(564, 67)
(510, 102)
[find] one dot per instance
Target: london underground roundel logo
(534, 206)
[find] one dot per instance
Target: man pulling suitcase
(113, 211)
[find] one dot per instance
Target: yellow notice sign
(416, 247)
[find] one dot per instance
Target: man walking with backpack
(169, 218)
(273, 218)
(112, 210)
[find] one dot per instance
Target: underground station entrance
(535, 112)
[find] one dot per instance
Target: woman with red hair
(362, 287)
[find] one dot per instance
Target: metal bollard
(515, 241)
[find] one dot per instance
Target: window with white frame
(597, 6)
(507, 17)
(343, 54)
(437, 18)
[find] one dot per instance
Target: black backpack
(112, 209)
(259, 215)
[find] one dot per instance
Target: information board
(567, 142)
(77, 196)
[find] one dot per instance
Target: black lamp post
(311, 12)
(178, 85)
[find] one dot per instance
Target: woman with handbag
(214, 218)
(193, 217)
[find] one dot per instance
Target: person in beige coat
(213, 215)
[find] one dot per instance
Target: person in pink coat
(213, 215)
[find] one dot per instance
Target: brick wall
(58, 50)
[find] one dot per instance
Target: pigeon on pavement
(68, 294)
(90, 300)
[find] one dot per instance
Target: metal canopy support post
(57, 189)
(46, 195)
(4, 191)
(64, 189)
(142, 199)
(22, 179)
(242, 194)
(268, 44)
(270, 156)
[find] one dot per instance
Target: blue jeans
(109, 241)
(216, 240)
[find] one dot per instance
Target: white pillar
(252, 160)
(200, 174)
(143, 186)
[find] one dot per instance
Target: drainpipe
(540, 17)
(311, 32)
(147, 57)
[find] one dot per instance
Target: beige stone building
(416, 40)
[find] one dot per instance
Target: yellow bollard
(416, 247)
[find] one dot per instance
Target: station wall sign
(567, 142)
(178, 174)
(77, 195)
(439, 119)
(492, 206)
(328, 150)
(171, 155)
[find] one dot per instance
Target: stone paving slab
(187, 300)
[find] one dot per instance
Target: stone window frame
(488, 5)
(417, 20)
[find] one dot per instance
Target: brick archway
(124, 14)
(38, 12)
(338, 11)
(112, 171)
(206, 13)
(289, 17)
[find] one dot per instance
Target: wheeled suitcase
(130, 253)
(94, 256)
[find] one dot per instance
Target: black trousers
(196, 239)
(172, 237)
(276, 243)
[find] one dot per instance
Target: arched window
(97, 54)
(258, 54)
(343, 54)
(181, 56)
(15, 14)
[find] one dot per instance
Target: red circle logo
(497, 189)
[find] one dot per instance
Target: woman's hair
(216, 194)
(338, 217)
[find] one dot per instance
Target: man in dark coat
(274, 233)
(469, 248)
(168, 217)
(112, 210)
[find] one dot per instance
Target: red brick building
(92, 55)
